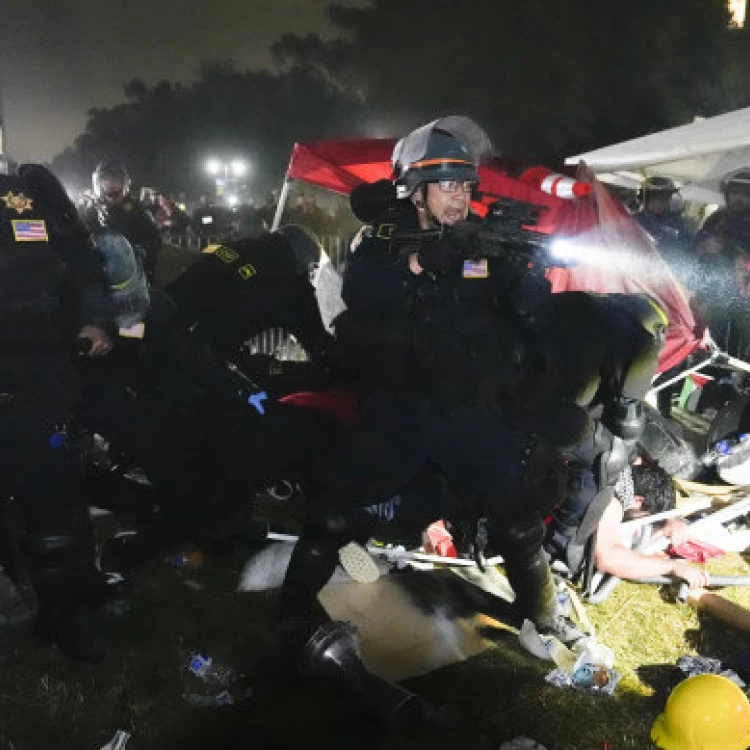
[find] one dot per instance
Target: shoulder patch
(222, 251)
(30, 230)
(385, 231)
(476, 269)
(247, 271)
(18, 203)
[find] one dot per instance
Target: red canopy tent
(615, 254)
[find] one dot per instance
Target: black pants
(40, 466)
(205, 456)
(391, 445)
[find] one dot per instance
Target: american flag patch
(30, 230)
(475, 269)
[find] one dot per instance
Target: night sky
(58, 58)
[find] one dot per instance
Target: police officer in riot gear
(242, 287)
(727, 230)
(172, 396)
(51, 290)
(444, 353)
(665, 226)
(723, 288)
(114, 208)
(606, 348)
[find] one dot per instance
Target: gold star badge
(19, 203)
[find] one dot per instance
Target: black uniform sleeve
(70, 238)
(374, 282)
(146, 234)
(376, 335)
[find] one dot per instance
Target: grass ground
(49, 704)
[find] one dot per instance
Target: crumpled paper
(586, 675)
(693, 665)
(591, 671)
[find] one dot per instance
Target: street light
(213, 166)
(239, 167)
(231, 170)
(236, 167)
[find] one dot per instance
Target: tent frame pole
(281, 205)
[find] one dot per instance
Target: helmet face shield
(448, 149)
(110, 181)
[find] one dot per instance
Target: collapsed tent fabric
(697, 155)
(615, 253)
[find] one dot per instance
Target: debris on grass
(118, 742)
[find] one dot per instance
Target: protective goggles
(453, 186)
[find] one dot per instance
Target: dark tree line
(546, 78)
(164, 133)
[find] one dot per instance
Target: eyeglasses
(452, 186)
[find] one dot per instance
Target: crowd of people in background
(712, 259)
(195, 224)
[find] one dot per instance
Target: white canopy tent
(697, 156)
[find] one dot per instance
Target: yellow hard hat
(705, 712)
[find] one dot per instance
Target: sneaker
(564, 630)
(358, 563)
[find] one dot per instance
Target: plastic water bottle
(724, 448)
(212, 674)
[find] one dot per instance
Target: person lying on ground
(649, 490)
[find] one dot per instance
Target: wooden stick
(731, 614)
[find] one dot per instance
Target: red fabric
(339, 166)
(619, 258)
(700, 380)
(341, 404)
(696, 551)
(439, 540)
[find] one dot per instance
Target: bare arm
(613, 557)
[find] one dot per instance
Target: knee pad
(522, 539)
(625, 418)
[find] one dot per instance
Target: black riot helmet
(739, 182)
(658, 185)
(450, 148)
(110, 180)
(658, 190)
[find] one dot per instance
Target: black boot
(530, 576)
(77, 633)
(68, 588)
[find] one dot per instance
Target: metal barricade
(276, 342)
